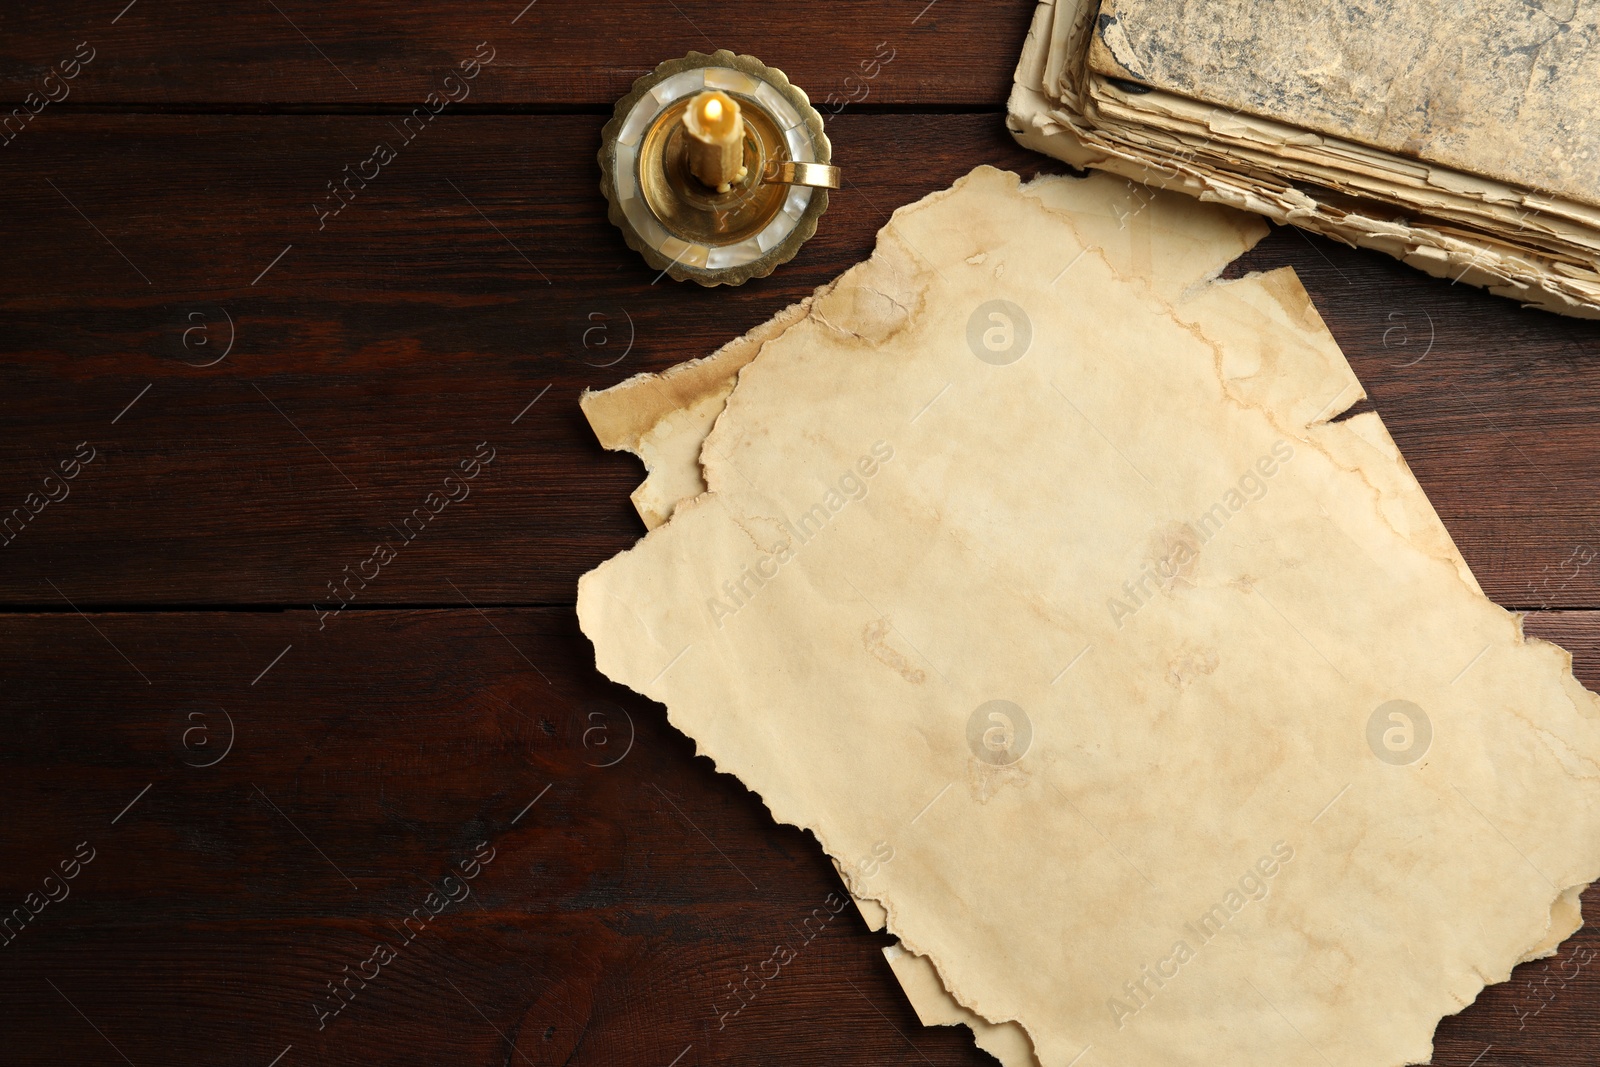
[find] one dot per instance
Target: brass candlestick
(716, 234)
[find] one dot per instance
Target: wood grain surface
(266, 801)
(391, 339)
(266, 390)
(548, 54)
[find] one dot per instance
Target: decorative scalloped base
(780, 253)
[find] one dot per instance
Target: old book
(1459, 137)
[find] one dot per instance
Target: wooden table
(251, 393)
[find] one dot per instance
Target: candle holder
(688, 229)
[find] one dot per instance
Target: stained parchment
(1237, 712)
(664, 418)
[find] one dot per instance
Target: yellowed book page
(1500, 89)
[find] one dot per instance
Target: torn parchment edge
(629, 415)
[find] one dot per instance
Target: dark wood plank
(368, 362)
(379, 350)
(372, 751)
(366, 766)
(548, 54)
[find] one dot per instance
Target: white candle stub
(715, 129)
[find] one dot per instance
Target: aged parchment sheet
(1239, 674)
(664, 419)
